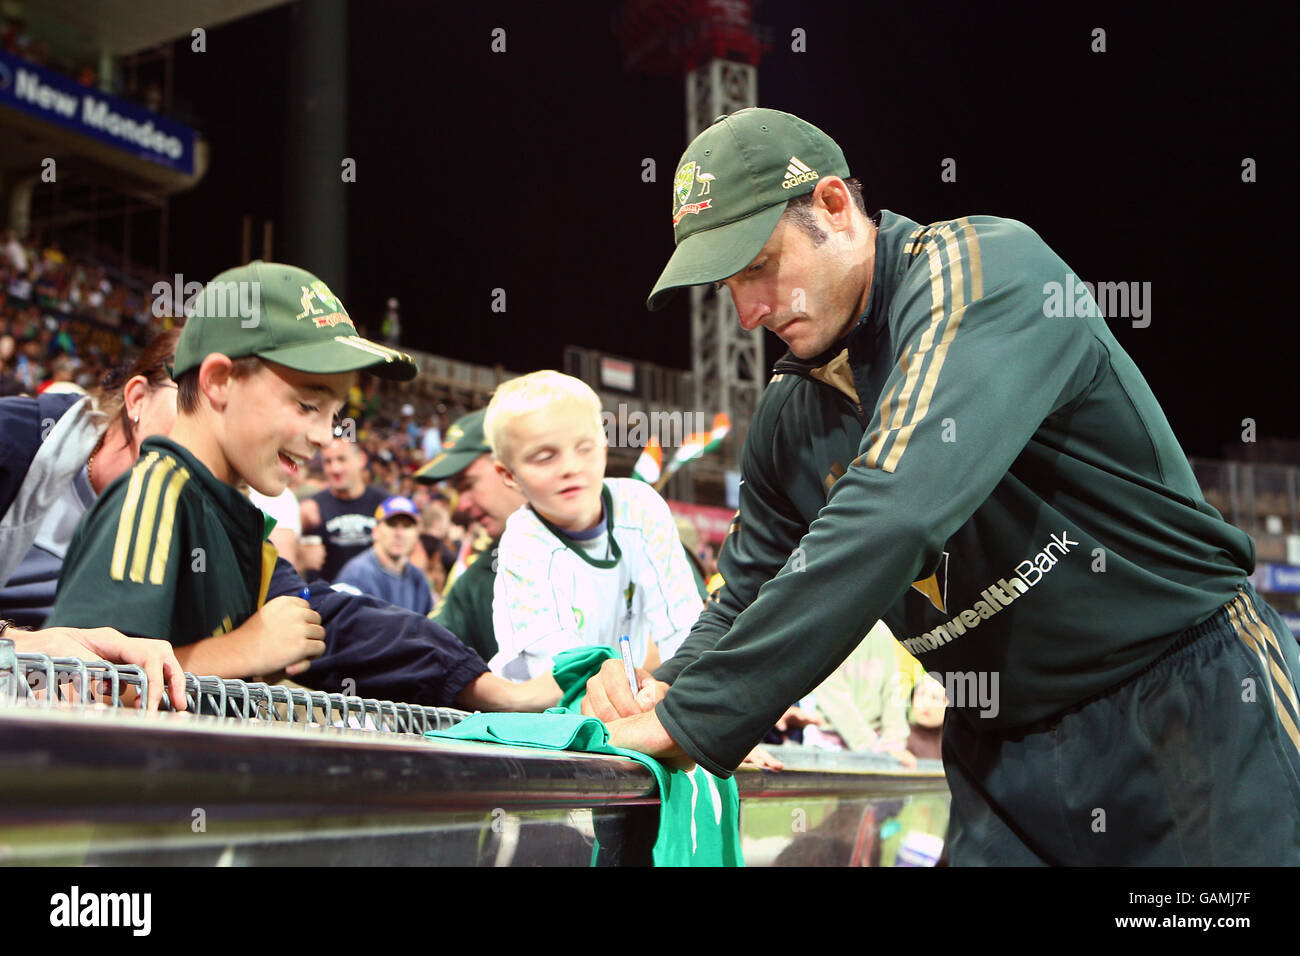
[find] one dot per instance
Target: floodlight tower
(717, 46)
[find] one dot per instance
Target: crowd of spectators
(63, 320)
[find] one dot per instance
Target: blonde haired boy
(590, 558)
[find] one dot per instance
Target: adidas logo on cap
(796, 173)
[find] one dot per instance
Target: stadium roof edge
(123, 27)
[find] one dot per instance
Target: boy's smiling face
(276, 421)
(556, 456)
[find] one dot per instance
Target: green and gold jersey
(168, 552)
(466, 608)
(994, 481)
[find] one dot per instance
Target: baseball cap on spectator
(285, 315)
(732, 186)
(461, 447)
(397, 505)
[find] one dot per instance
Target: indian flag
(651, 463)
(699, 444)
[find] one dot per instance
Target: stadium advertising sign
(616, 373)
(711, 522)
(58, 99)
(1276, 578)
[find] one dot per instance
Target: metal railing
(38, 680)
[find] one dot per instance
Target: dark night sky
(523, 170)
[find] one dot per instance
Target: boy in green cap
(172, 549)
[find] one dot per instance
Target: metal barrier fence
(38, 680)
(286, 777)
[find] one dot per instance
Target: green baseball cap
(732, 185)
(285, 315)
(461, 447)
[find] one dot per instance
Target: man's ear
(215, 379)
(832, 194)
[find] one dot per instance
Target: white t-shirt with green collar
(555, 591)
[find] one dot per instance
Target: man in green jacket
(941, 450)
(466, 461)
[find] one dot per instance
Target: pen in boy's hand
(625, 647)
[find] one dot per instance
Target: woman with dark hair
(57, 453)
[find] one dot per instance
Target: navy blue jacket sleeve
(23, 421)
(389, 652)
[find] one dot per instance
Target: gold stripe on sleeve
(886, 410)
(957, 311)
(910, 366)
(162, 549)
(144, 528)
(126, 520)
(910, 245)
(973, 258)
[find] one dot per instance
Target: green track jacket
(997, 483)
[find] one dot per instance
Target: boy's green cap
(461, 447)
(732, 185)
(285, 315)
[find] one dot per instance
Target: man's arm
(762, 535)
(309, 511)
(766, 529)
(978, 314)
(157, 658)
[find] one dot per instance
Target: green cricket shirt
(466, 608)
(167, 551)
(995, 481)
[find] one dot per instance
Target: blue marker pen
(625, 646)
(625, 642)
